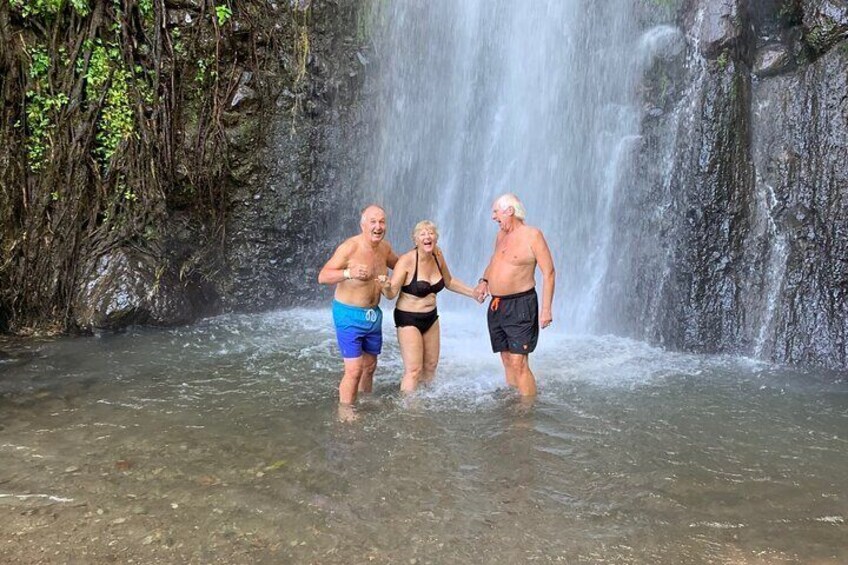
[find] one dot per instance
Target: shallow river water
(221, 443)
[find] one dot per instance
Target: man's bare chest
(515, 251)
(374, 259)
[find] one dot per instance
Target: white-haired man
(357, 268)
(513, 314)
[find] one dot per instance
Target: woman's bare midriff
(409, 303)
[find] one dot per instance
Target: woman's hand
(385, 284)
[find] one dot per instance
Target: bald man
(357, 268)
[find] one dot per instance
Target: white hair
(362, 219)
(504, 201)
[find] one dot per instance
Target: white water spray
(477, 98)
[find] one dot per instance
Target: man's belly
(508, 279)
(362, 296)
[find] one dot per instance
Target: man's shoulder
(531, 231)
(350, 244)
(385, 247)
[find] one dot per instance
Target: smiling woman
(419, 275)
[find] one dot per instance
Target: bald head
(370, 210)
(373, 223)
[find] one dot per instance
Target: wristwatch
(482, 280)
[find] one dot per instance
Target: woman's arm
(391, 287)
(451, 283)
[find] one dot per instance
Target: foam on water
(626, 442)
(297, 347)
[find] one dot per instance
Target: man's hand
(385, 283)
(546, 318)
(360, 272)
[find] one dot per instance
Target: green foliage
(98, 69)
(123, 191)
(42, 108)
(116, 121)
(790, 13)
(41, 111)
(39, 63)
(723, 60)
(205, 71)
(820, 36)
(48, 8)
(223, 14)
(90, 157)
(177, 43)
(145, 8)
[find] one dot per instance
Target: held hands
(385, 283)
(481, 291)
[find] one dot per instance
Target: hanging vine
(112, 114)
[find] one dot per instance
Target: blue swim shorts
(358, 329)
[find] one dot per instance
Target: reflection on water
(221, 443)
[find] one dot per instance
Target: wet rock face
(772, 60)
(719, 27)
(825, 23)
(745, 249)
(800, 151)
(125, 288)
(294, 194)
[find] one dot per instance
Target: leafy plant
(223, 14)
(48, 8)
(723, 59)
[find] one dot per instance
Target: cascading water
(477, 98)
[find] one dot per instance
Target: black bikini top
(423, 288)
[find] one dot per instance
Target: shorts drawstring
(496, 302)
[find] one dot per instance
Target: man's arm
(391, 258)
(336, 269)
(546, 265)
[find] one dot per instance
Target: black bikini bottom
(421, 320)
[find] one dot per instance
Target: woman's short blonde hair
(425, 224)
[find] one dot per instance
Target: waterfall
(479, 97)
